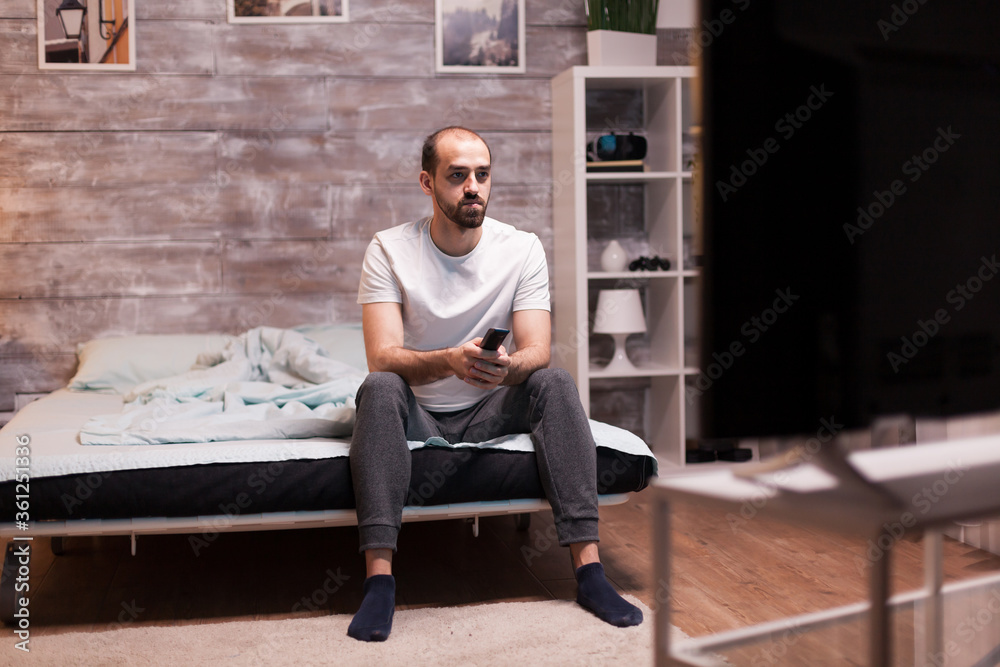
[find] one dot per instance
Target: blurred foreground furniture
(878, 495)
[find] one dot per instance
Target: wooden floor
(724, 577)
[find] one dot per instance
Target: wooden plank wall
(236, 177)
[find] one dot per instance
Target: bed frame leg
(58, 545)
(133, 544)
(475, 526)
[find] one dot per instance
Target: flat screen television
(850, 193)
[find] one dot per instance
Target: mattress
(72, 481)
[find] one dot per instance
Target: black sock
(596, 594)
(373, 622)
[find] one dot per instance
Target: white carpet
(554, 632)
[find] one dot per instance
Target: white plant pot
(614, 47)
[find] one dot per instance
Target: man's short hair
(428, 154)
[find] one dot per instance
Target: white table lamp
(619, 313)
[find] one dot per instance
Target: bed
(202, 434)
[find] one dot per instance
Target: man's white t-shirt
(447, 301)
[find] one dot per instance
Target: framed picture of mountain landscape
(480, 36)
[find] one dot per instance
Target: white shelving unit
(667, 200)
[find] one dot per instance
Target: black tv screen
(851, 213)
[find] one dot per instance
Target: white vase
(614, 258)
(614, 47)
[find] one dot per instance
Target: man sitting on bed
(429, 290)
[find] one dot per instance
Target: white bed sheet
(52, 424)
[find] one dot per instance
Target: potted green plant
(621, 32)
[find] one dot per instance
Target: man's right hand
(484, 369)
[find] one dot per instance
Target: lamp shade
(619, 311)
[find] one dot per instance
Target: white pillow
(115, 365)
(343, 342)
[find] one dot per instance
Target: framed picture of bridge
(479, 36)
(287, 11)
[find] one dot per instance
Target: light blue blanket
(267, 384)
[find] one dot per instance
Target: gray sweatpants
(546, 405)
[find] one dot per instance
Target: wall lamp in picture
(71, 14)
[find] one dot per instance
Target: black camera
(617, 147)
